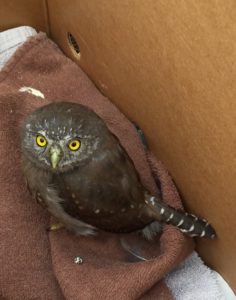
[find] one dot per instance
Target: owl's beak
(56, 154)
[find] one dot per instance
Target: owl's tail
(187, 223)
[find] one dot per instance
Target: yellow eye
(41, 141)
(74, 145)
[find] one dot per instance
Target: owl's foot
(56, 226)
(87, 230)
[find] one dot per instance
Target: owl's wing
(39, 183)
(107, 192)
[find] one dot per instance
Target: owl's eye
(74, 145)
(41, 141)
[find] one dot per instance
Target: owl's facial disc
(60, 137)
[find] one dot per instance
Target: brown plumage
(77, 168)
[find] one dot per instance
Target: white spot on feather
(203, 233)
(152, 200)
(191, 228)
(30, 90)
(170, 217)
(162, 211)
(180, 223)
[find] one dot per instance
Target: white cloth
(11, 39)
(192, 280)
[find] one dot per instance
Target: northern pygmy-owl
(80, 172)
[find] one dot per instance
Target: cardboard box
(170, 66)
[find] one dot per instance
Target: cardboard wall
(171, 67)
(15, 13)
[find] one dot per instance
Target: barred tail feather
(187, 223)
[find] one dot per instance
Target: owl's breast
(101, 200)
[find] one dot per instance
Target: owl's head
(60, 136)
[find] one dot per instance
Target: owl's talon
(55, 227)
(86, 231)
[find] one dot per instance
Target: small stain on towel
(32, 91)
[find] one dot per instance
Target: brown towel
(36, 264)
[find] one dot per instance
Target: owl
(78, 170)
